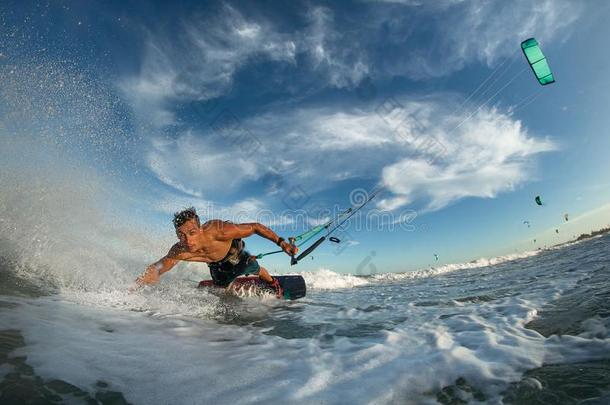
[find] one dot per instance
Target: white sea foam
(325, 279)
(162, 345)
(154, 357)
(449, 268)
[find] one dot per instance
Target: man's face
(188, 234)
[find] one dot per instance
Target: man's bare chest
(209, 253)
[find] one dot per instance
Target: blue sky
(251, 111)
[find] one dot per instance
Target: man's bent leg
(264, 275)
(252, 267)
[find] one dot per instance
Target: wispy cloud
(456, 33)
(424, 40)
(195, 166)
(332, 51)
(489, 153)
(199, 62)
(318, 145)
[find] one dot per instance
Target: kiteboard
(293, 287)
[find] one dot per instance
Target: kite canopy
(537, 61)
(565, 216)
(538, 200)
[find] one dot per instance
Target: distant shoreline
(592, 234)
(583, 236)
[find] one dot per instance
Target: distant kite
(537, 61)
(538, 200)
(526, 223)
(436, 257)
(565, 216)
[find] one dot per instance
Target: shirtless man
(217, 243)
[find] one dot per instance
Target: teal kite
(537, 61)
(538, 200)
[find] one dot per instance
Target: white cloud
(311, 148)
(466, 31)
(328, 131)
(195, 166)
(420, 41)
(490, 154)
(392, 203)
(199, 61)
(316, 146)
(322, 145)
(332, 52)
(317, 221)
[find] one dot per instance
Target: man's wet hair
(181, 217)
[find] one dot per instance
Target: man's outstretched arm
(230, 231)
(154, 271)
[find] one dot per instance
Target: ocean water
(75, 231)
(523, 329)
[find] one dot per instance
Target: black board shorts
(224, 272)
